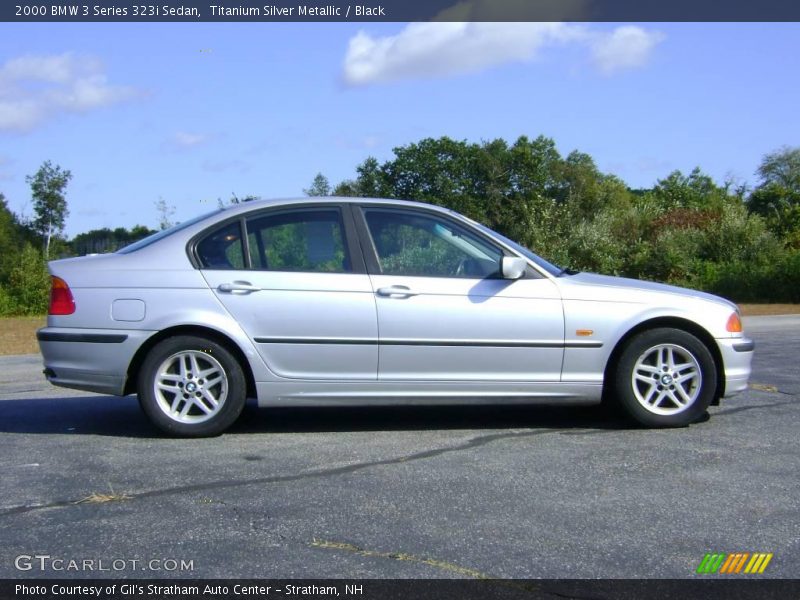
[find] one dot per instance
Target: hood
(625, 284)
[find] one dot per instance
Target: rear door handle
(244, 287)
(396, 290)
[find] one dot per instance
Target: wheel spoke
(186, 407)
(643, 368)
(195, 367)
(209, 398)
(198, 401)
(212, 382)
(682, 393)
(650, 393)
(661, 359)
(675, 399)
(670, 359)
(184, 371)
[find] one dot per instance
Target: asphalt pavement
(423, 492)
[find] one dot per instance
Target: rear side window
(222, 249)
(303, 240)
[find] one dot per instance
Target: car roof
(250, 205)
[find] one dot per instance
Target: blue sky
(194, 112)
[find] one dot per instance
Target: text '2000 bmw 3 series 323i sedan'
(340, 301)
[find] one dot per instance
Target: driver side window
(415, 244)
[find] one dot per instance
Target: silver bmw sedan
(333, 301)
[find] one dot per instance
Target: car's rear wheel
(665, 377)
(191, 386)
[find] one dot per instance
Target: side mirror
(513, 267)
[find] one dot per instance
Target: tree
(696, 191)
(234, 199)
(781, 168)
(9, 240)
(777, 196)
(320, 186)
(165, 212)
(48, 187)
(106, 240)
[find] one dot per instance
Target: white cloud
(184, 139)
(429, 50)
(626, 47)
(34, 89)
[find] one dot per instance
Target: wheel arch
(198, 330)
(676, 323)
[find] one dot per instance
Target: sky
(193, 112)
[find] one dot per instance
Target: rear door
(444, 311)
(294, 278)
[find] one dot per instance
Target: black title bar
(399, 10)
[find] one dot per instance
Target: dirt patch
(756, 310)
(18, 335)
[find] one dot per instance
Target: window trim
(371, 252)
(351, 239)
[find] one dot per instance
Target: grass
(757, 310)
(101, 498)
(18, 334)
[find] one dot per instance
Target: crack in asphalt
(344, 470)
(736, 409)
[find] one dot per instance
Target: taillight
(734, 324)
(61, 301)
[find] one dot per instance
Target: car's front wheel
(665, 377)
(191, 386)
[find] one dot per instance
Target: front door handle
(396, 290)
(244, 287)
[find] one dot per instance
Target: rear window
(151, 239)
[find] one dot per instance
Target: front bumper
(737, 356)
(94, 360)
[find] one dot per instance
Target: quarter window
(222, 249)
(306, 240)
(415, 244)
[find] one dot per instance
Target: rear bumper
(94, 360)
(737, 356)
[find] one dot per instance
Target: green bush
(6, 306)
(28, 289)
(751, 281)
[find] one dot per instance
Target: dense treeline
(687, 229)
(729, 239)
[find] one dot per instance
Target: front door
(444, 311)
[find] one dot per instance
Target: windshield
(535, 258)
(164, 233)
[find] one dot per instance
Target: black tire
(184, 403)
(653, 393)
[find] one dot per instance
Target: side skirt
(337, 393)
